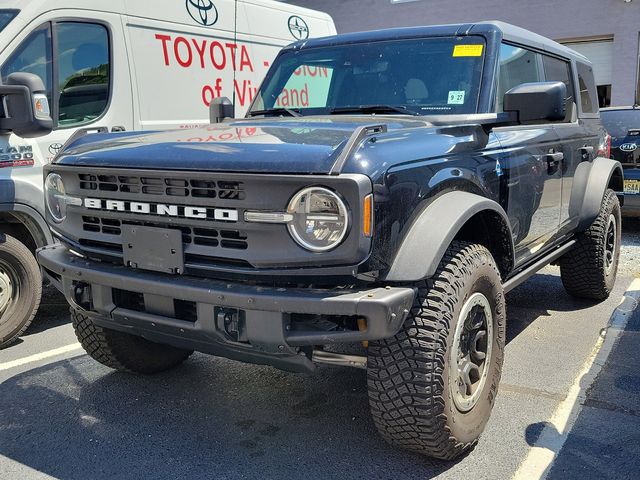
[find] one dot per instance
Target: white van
(121, 65)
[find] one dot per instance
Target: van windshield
(426, 76)
(6, 16)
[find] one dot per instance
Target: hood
(268, 145)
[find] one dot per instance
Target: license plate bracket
(151, 248)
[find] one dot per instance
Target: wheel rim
(7, 288)
(471, 352)
(610, 244)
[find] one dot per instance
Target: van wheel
(589, 269)
(122, 351)
(20, 289)
(432, 386)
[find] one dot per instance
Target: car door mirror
(219, 109)
(26, 108)
(537, 102)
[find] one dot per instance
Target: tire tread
(122, 351)
(405, 372)
(583, 268)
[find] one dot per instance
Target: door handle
(118, 128)
(586, 153)
(553, 161)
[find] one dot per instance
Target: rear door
(582, 136)
(531, 170)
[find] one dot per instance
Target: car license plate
(632, 187)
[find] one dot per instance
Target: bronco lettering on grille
(203, 213)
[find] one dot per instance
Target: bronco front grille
(112, 200)
(163, 186)
(208, 237)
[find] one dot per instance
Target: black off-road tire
(408, 375)
(22, 290)
(585, 270)
(124, 352)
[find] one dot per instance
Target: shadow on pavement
(538, 297)
(75, 419)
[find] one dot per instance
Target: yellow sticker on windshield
(467, 50)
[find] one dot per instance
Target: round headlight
(320, 219)
(56, 197)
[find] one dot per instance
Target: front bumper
(266, 329)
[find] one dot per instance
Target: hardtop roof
(511, 33)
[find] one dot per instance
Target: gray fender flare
(590, 183)
(431, 233)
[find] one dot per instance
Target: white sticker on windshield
(456, 97)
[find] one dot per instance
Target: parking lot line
(40, 356)
(552, 438)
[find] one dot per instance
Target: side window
(517, 66)
(556, 70)
(588, 92)
(83, 72)
(33, 55)
(308, 87)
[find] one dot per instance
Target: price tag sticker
(456, 97)
(468, 50)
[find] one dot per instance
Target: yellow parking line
(40, 356)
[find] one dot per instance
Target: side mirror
(541, 101)
(26, 108)
(219, 109)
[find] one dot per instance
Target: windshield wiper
(374, 109)
(275, 111)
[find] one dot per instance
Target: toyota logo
(298, 28)
(203, 12)
(628, 147)
(54, 148)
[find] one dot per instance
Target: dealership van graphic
(203, 12)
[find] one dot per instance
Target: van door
(85, 86)
(88, 86)
(531, 170)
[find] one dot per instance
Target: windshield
(6, 16)
(418, 76)
(619, 122)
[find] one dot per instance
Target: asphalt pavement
(62, 415)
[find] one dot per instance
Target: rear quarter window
(587, 86)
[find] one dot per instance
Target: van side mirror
(540, 101)
(26, 108)
(219, 109)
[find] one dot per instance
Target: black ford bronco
(384, 191)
